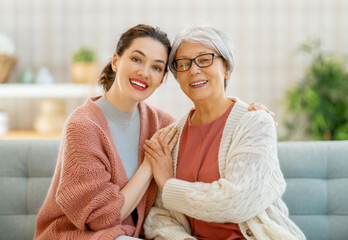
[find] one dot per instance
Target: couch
(316, 174)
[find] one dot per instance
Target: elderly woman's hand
(260, 106)
(158, 152)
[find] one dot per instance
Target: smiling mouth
(198, 83)
(137, 84)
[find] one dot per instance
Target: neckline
(227, 112)
(116, 115)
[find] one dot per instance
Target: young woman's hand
(167, 134)
(158, 152)
(260, 106)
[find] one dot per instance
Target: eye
(135, 59)
(183, 64)
(203, 59)
(157, 68)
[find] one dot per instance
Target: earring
(227, 75)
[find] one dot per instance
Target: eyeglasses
(202, 61)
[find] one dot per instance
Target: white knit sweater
(248, 192)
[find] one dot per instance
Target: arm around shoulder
(250, 182)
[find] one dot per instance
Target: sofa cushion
(317, 176)
(26, 168)
(17, 227)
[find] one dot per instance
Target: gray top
(125, 131)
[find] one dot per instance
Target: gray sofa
(316, 175)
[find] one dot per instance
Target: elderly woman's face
(201, 83)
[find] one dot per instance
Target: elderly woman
(222, 180)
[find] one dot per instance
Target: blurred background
(41, 39)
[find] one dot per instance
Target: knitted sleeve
(162, 224)
(251, 180)
(86, 194)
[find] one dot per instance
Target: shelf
(28, 134)
(57, 90)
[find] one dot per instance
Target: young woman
(228, 183)
(102, 188)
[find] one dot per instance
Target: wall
(266, 35)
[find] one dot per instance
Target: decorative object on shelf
(44, 76)
(7, 58)
(84, 67)
(319, 102)
(51, 116)
(27, 77)
(3, 122)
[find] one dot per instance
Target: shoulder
(255, 128)
(86, 119)
(242, 121)
(256, 119)
(159, 116)
(243, 116)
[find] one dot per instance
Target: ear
(113, 62)
(226, 66)
(227, 75)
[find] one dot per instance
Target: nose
(194, 68)
(144, 72)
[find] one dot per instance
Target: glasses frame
(194, 60)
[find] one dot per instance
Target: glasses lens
(204, 60)
(182, 65)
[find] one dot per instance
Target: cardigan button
(249, 233)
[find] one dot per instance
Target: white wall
(266, 35)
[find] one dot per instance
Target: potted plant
(319, 102)
(84, 67)
(7, 58)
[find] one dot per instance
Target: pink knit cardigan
(84, 200)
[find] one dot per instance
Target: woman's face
(201, 84)
(141, 68)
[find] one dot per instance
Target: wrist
(163, 183)
(146, 167)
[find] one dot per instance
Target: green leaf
(84, 54)
(321, 95)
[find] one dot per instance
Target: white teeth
(138, 84)
(198, 83)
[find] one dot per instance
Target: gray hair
(208, 36)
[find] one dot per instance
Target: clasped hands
(158, 149)
(158, 152)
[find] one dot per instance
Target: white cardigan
(248, 192)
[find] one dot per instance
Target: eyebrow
(200, 53)
(143, 54)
